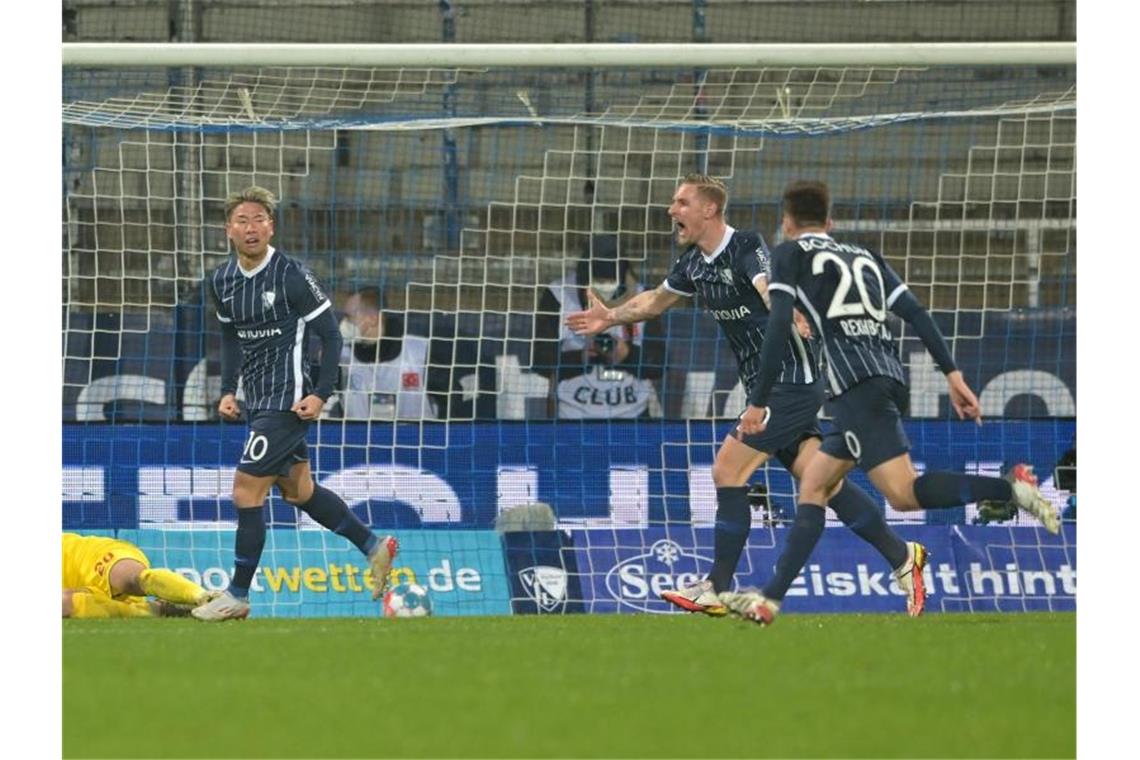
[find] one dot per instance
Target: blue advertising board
(972, 568)
(461, 475)
(314, 573)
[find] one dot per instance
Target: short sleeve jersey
(846, 290)
(725, 284)
(269, 308)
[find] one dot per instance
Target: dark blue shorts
(275, 443)
(868, 422)
(795, 416)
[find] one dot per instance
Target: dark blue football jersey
(270, 307)
(846, 291)
(724, 282)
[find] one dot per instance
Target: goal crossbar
(568, 55)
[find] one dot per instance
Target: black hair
(808, 203)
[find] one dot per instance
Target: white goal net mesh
(451, 200)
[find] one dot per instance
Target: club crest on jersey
(726, 276)
(268, 298)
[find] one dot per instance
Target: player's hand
(963, 400)
(803, 327)
(754, 420)
(593, 320)
(228, 408)
(308, 408)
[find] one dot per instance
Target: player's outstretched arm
(963, 400)
(81, 603)
(641, 307)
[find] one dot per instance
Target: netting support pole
(700, 139)
(185, 21)
(590, 31)
(1033, 265)
(451, 220)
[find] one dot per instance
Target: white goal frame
(97, 54)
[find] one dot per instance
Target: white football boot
(698, 597)
(380, 560)
(910, 580)
(1028, 497)
(224, 607)
(751, 605)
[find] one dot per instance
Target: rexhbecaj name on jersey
(869, 327)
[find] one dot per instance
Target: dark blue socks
(802, 539)
(861, 514)
(733, 522)
(940, 490)
(329, 510)
(248, 543)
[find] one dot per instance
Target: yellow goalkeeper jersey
(87, 560)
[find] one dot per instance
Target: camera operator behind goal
(606, 376)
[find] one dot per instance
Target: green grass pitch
(953, 685)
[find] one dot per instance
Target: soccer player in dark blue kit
(267, 303)
(727, 269)
(847, 290)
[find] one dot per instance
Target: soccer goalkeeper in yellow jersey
(105, 577)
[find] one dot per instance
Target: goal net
(455, 201)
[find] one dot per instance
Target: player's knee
(902, 498)
(724, 476)
(296, 493)
(814, 493)
(124, 578)
(904, 506)
(68, 608)
(245, 497)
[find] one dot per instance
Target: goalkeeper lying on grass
(105, 577)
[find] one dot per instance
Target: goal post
(568, 55)
(457, 182)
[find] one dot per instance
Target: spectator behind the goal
(604, 376)
(387, 373)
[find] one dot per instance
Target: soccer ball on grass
(406, 600)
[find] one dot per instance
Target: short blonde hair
(709, 188)
(252, 194)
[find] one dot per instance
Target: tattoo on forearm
(637, 309)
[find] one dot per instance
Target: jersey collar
(815, 234)
(729, 231)
(264, 263)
